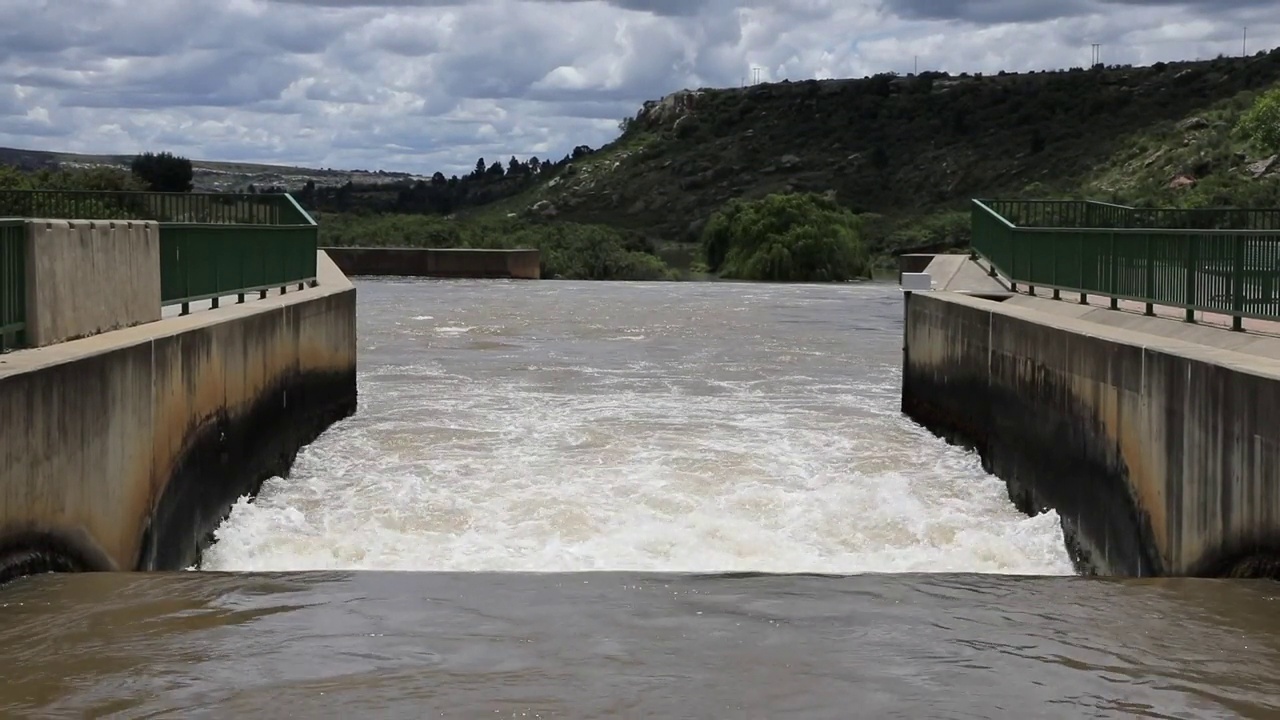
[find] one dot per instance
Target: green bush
(1261, 124)
(794, 237)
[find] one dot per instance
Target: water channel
(634, 500)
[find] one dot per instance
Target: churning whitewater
(563, 426)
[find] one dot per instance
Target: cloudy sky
(425, 85)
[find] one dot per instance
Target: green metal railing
(211, 245)
(1128, 254)
(13, 289)
(204, 208)
(206, 262)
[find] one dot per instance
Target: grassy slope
(1114, 133)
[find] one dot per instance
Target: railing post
(1112, 262)
(1193, 246)
(1013, 261)
(1084, 297)
(1237, 283)
(1057, 294)
(1149, 277)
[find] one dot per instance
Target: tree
(163, 172)
(1261, 124)
(794, 237)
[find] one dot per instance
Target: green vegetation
(571, 251)
(1261, 124)
(796, 237)
(163, 172)
(95, 179)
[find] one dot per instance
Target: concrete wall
(437, 262)
(1161, 456)
(90, 276)
(125, 450)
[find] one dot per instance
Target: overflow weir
(127, 435)
(1094, 369)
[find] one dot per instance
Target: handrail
(1095, 214)
(1233, 272)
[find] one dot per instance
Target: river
(634, 500)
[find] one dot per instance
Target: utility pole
(916, 71)
(1097, 55)
(1244, 43)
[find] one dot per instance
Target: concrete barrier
(126, 450)
(1161, 456)
(86, 277)
(438, 262)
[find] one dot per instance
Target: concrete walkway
(1260, 337)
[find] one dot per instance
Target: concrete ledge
(438, 262)
(1162, 456)
(127, 449)
(86, 277)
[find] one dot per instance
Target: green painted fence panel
(198, 262)
(13, 289)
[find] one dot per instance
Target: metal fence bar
(1130, 254)
(13, 290)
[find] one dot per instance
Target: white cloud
(425, 85)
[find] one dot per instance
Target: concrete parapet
(524, 264)
(126, 450)
(86, 277)
(1161, 456)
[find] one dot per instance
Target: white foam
(719, 441)
(508, 478)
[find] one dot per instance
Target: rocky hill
(914, 148)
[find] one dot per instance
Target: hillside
(912, 149)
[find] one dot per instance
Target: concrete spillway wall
(1162, 457)
(439, 262)
(125, 450)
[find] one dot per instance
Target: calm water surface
(589, 480)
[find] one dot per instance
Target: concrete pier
(1157, 441)
(126, 449)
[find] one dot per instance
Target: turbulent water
(642, 429)
(673, 427)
